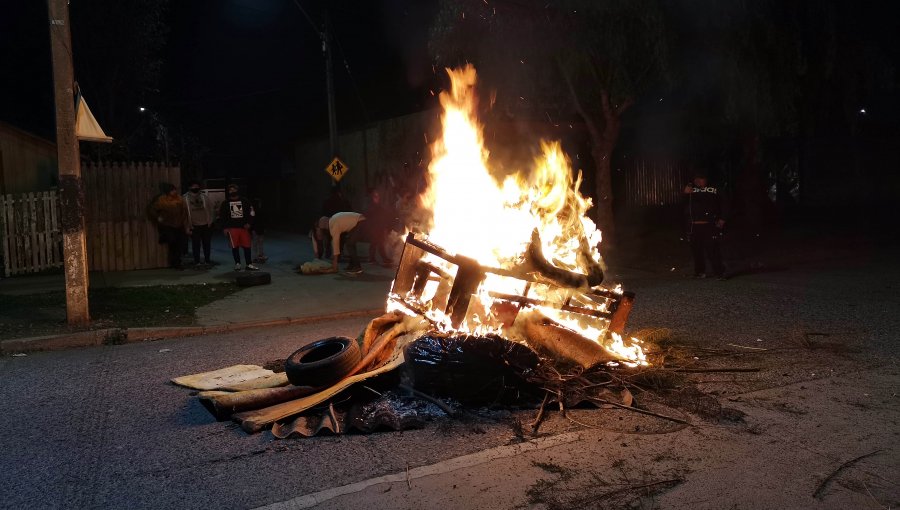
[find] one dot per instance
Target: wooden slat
(56, 232)
(90, 218)
(10, 219)
(19, 257)
(103, 224)
(145, 192)
(128, 244)
(116, 223)
(25, 233)
(46, 239)
(38, 223)
(149, 253)
(4, 233)
(31, 211)
(30, 242)
(120, 237)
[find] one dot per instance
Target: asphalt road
(103, 427)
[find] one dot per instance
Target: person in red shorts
(236, 214)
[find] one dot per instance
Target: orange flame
(474, 215)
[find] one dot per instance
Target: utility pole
(329, 84)
(71, 189)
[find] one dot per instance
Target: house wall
(27, 162)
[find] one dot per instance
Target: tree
(575, 58)
(794, 70)
(118, 59)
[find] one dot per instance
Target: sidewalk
(290, 296)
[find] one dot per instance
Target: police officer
(703, 211)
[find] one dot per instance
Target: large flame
(475, 215)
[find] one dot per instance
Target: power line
(308, 18)
(234, 96)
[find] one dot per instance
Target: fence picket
(118, 233)
(28, 226)
(32, 228)
(4, 234)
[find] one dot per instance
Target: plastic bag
(473, 370)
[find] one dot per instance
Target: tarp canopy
(86, 127)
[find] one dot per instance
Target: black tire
(250, 279)
(322, 363)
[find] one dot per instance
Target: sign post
(337, 169)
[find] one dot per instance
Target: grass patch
(113, 307)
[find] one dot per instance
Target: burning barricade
(507, 280)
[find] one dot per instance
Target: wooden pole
(71, 190)
(334, 142)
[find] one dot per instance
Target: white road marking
(443, 467)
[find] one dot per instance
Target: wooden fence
(119, 235)
(29, 232)
(655, 183)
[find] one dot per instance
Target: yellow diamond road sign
(337, 169)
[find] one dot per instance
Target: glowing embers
(456, 294)
(509, 251)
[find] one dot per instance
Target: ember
(520, 257)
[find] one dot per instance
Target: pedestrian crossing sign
(337, 169)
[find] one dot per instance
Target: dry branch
(641, 411)
(444, 407)
(540, 415)
(673, 482)
(705, 370)
(818, 492)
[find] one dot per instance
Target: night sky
(246, 77)
(244, 70)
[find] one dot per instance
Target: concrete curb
(118, 336)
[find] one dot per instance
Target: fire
(476, 216)
(494, 223)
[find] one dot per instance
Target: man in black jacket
(703, 211)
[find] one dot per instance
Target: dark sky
(255, 68)
(240, 74)
(246, 76)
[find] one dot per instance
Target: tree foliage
(118, 59)
(572, 58)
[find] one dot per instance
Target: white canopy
(86, 127)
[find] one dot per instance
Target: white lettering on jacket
(236, 209)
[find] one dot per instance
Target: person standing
(236, 214)
(378, 220)
(336, 202)
(169, 213)
(200, 219)
(703, 213)
(259, 232)
(345, 225)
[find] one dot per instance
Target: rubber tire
(322, 363)
(252, 278)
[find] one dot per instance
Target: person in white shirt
(346, 225)
(200, 215)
